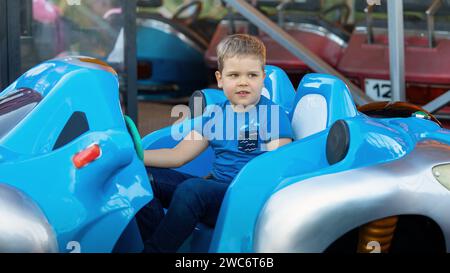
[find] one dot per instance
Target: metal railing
(431, 11)
(437, 104)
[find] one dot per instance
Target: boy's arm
(276, 143)
(189, 148)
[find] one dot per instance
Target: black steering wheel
(192, 17)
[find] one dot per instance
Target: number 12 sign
(379, 90)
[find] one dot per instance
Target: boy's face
(242, 79)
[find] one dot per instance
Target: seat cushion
(321, 100)
(309, 116)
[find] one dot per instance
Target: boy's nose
(243, 81)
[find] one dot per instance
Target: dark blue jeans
(189, 200)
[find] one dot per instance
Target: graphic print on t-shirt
(248, 140)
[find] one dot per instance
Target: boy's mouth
(242, 93)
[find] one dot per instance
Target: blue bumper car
(71, 174)
(66, 153)
(353, 180)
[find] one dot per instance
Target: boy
(190, 199)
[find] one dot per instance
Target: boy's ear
(219, 79)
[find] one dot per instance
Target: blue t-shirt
(238, 137)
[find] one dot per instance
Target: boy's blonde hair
(238, 45)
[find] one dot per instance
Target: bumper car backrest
(320, 101)
(202, 98)
(277, 87)
(161, 23)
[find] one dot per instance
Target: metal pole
(431, 11)
(396, 49)
(369, 23)
(130, 58)
(438, 103)
(293, 46)
(3, 46)
(9, 41)
(13, 17)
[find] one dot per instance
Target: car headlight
(442, 174)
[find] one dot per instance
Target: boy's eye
(233, 75)
(253, 75)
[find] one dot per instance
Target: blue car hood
(6, 155)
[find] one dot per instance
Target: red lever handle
(86, 156)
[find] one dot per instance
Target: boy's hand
(189, 148)
(276, 143)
